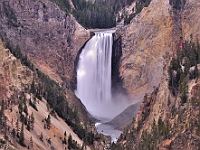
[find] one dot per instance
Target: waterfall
(94, 73)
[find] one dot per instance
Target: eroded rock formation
(160, 110)
(14, 77)
(15, 84)
(190, 20)
(146, 45)
(150, 40)
(50, 37)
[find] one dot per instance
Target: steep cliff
(28, 98)
(15, 81)
(50, 37)
(190, 21)
(14, 77)
(146, 45)
(165, 120)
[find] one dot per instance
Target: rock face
(150, 39)
(146, 45)
(16, 79)
(49, 37)
(160, 105)
(190, 21)
(121, 120)
(180, 123)
(163, 122)
(155, 105)
(13, 76)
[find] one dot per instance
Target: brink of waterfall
(94, 76)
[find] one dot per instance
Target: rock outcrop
(161, 116)
(163, 122)
(146, 45)
(150, 40)
(48, 36)
(15, 81)
(14, 77)
(190, 21)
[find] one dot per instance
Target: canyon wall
(14, 77)
(177, 122)
(48, 36)
(15, 81)
(190, 20)
(150, 39)
(147, 43)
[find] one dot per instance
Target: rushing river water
(108, 130)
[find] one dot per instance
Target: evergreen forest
(184, 67)
(100, 14)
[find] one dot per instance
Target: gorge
(41, 41)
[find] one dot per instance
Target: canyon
(143, 49)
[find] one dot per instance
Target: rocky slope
(16, 82)
(150, 40)
(163, 121)
(14, 76)
(146, 44)
(51, 39)
(49, 36)
(190, 21)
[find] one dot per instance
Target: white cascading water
(94, 83)
(94, 73)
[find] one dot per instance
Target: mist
(106, 111)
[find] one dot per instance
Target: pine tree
(21, 136)
(32, 121)
(70, 141)
(32, 90)
(64, 140)
(2, 112)
(20, 107)
(17, 127)
(29, 124)
(45, 125)
(25, 109)
(31, 142)
(13, 133)
(5, 133)
(184, 91)
(41, 137)
(187, 66)
(48, 120)
(65, 134)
